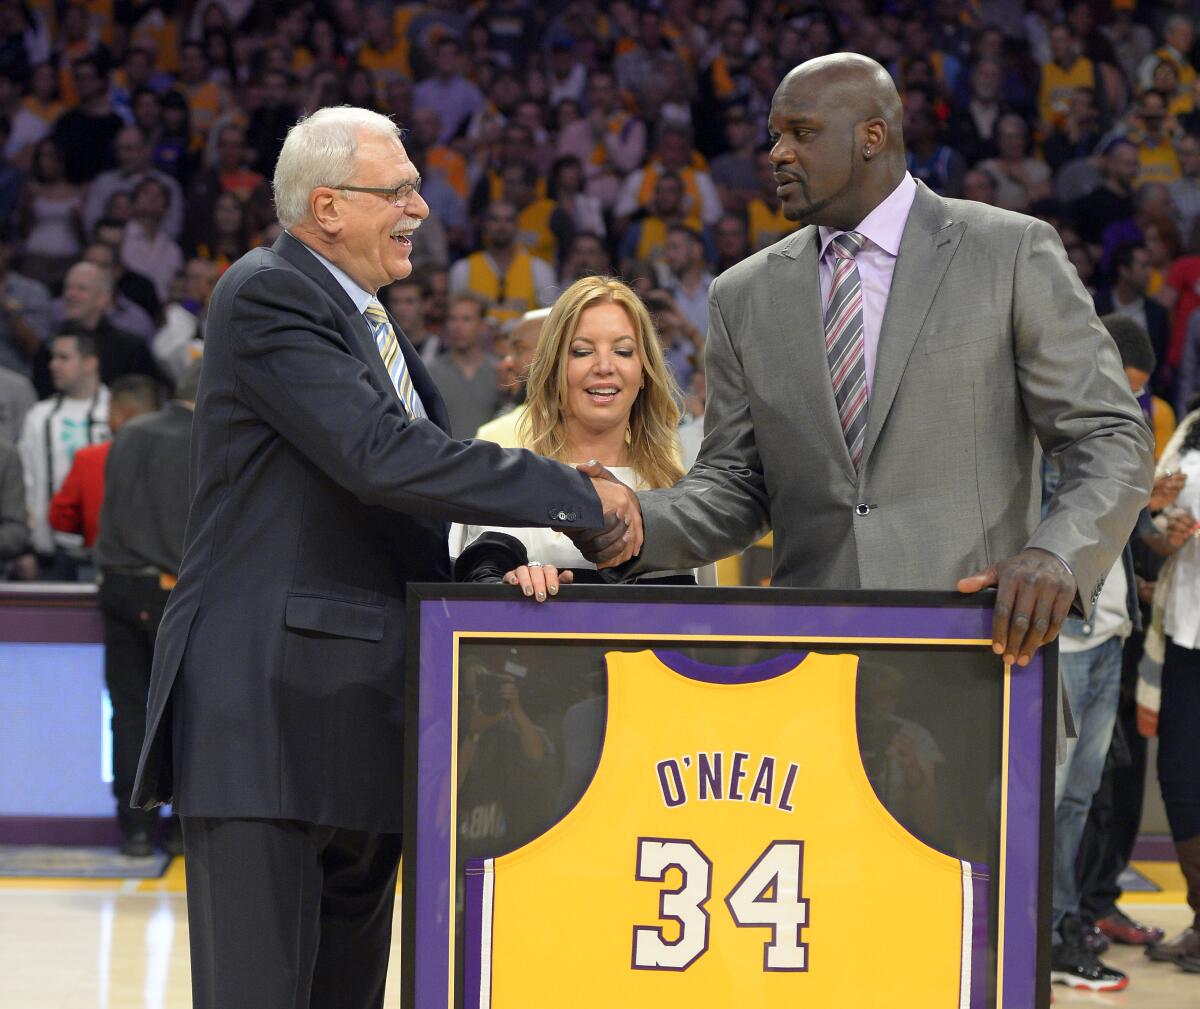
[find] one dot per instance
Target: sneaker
(1119, 927)
(1076, 966)
(1096, 940)
(1185, 946)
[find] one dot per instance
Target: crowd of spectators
(138, 140)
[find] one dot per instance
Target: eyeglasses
(397, 197)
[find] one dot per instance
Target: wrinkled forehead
(384, 157)
(375, 146)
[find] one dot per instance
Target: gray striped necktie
(393, 359)
(844, 343)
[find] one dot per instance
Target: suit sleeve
(720, 507)
(296, 372)
(1077, 396)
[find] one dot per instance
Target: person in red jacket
(75, 507)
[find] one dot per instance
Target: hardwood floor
(122, 944)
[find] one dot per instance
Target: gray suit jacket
(989, 348)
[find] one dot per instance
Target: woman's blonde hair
(654, 416)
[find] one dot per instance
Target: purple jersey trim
(473, 928)
(979, 937)
(693, 669)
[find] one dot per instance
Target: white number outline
(774, 944)
(664, 895)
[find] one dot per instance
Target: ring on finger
(535, 564)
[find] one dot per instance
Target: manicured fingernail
(1010, 659)
(528, 591)
(541, 597)
(997, 649)
(553, 590)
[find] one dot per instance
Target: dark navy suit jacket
(278, 688)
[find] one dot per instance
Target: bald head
(855, 83)
(837, 136)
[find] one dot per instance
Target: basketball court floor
(123, 944)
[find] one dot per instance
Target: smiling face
(374, 233)
(603, 370)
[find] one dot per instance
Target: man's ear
(326, 210)
(875, 135)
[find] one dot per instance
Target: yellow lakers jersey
(723, 858)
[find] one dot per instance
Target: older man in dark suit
(323, 480)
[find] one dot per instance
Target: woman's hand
(538, 580)
(1181, 526)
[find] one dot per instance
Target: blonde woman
(598, 390)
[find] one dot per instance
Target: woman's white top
(1182, 617)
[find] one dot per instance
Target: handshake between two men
(1034, 588)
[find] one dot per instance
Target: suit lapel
(798, 310)
(931, 237)
(357, 330)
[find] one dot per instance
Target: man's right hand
(621, 537)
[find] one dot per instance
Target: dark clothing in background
(265, 134)
(86, 142)
(1158, 323)
(146, 496)
(121, 353)
(131, 606)
(1179, 743)
(139, 289)
(14, 526)
(1093, 213)
(141, 539)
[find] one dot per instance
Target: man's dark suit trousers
(305, 913)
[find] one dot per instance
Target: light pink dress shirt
(883, 228)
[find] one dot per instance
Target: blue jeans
(1093, 682)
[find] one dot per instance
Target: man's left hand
(1034, 592)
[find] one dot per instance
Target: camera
(487, 692)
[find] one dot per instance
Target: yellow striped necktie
(393, 359)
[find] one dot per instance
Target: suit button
(572, 516)
(862, 509)
(558, 515)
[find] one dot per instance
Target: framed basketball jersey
(693, 797)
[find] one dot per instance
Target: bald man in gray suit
(904, 455)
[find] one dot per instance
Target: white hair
(319, 151)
